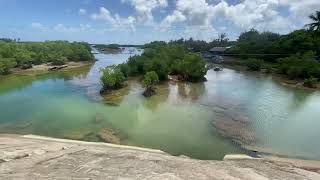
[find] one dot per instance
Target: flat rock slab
(31, 157)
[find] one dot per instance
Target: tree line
(295, 55)
(14, 54)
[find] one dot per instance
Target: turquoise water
(179, 120)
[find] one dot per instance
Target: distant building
(215, 54)
(218, 50)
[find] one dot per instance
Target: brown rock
(234, 126)
(109, 136)
(150, 91)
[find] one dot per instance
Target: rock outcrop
(33, 157)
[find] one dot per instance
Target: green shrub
(268, 68)
(150, 78)
(6, 64)
(294, 72)
(124, 68)
(311, 82)
(166, 59)
(193, 67)
(58, 61)
(299, 66)
(112, 78)
(254, 64)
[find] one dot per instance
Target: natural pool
(201, 120)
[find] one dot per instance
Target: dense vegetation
(271, 46)
(112, 78)
(254, 64)
(164, 59)
(26, 54)
(201, 46)
(295, 55)
(150, 79)
(108, 48)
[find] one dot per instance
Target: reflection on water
(201, 120)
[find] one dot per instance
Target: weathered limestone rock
(85, 160)
(234, 130)
(109, 136)
(235, 126)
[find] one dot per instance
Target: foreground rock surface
(30, 157)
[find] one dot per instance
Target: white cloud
(115, 21)
(301, 8)
(38, 26)
(82, 12)
(144, 8)
(248, 14)
(64, 29)
(260, 14)
(196, 15)
(175, 17)
(266, 14)
(192, 12)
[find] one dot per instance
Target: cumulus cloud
(176, 17)
(144, 8)
(196, 15)
(301, 8)
(82, 12)
(267, 14)
(192, 12)
(115, 21)
(246, 14)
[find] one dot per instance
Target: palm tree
(315, 25)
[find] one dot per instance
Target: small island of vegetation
(23, 55)
(108, 48)
(158, 61)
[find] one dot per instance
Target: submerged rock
(98, 118)
(150, 91)
(217, 68)
(234, 130)
(115, 97)
(235, 126)
(109, 136)
(78, 134)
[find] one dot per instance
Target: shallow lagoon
(201, 120)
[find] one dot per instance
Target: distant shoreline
(283, 80)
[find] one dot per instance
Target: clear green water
(178, 120)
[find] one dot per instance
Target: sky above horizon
(141, 21)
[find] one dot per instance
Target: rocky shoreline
(46, 68)
(35, 157)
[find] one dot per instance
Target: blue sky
(140, 21)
